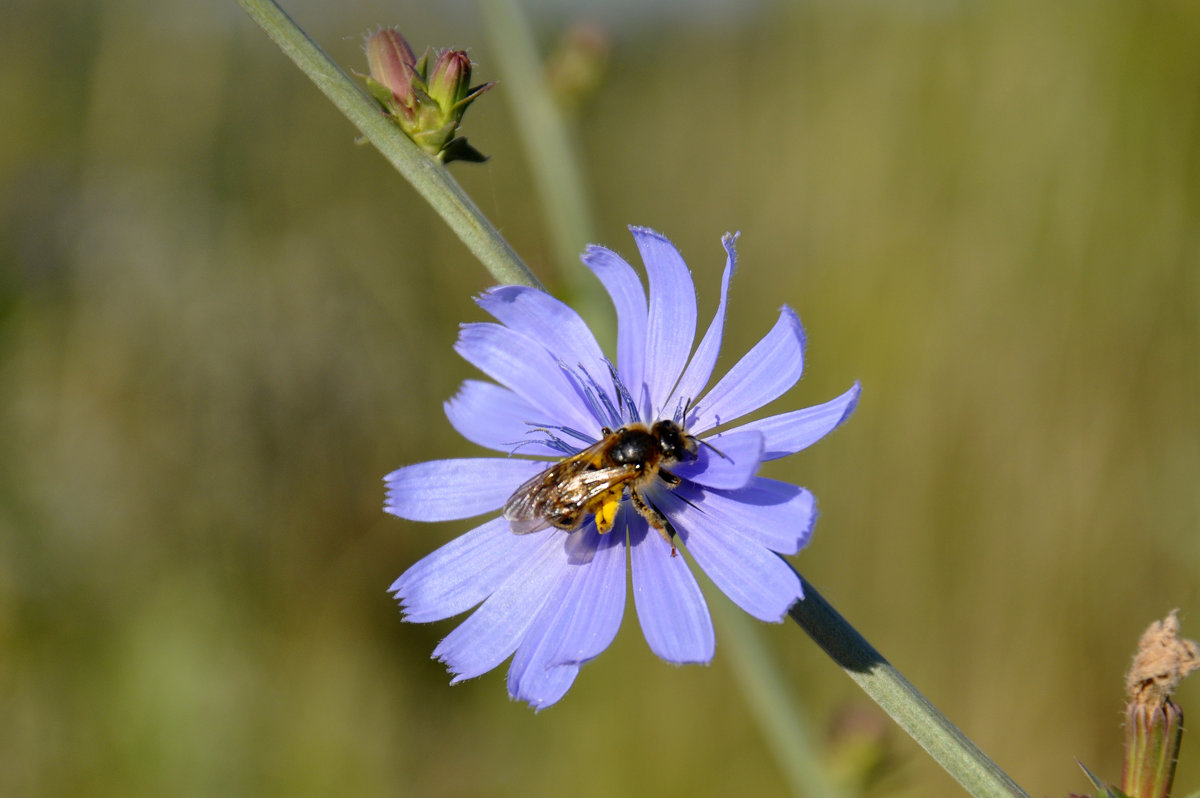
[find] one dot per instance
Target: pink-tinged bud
(392, 64)
(428, 107)
(450, 79)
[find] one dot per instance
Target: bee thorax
(634, 446)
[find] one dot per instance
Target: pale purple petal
(492, 633)
(537, 684)
(531, 676)
(541, 317)
(462, 573)
(762, 375)
(776, 515)
(670, 607)
(788, 433)
(592, 611)
(491, 415)
(755, 578)
(629, 299)
(578, 621)
(671, 326)
(525, 366)
(700, 367)
(734, 465)
(446, 490)
(752, 576)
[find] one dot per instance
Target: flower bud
(392, 63)
(450, 79)
(1154, 723)
(428, 107)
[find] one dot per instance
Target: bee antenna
(714, 448)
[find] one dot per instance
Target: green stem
(949, 747)
(427, 175)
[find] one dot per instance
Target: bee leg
(655, 518)
(606, 514)
(669, 478)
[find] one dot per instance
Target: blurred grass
(211, 351)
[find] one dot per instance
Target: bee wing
(530, 501)
(585, 487)
(524, 526)
(560, 495)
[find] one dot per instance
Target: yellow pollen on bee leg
(607, 514)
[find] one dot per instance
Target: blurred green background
(221, 323)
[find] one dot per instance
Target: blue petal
(539, 685)
(591, 613)
(493, 416)
(579, 621)
(462, 573)
(629, 299)
(700, 367)
(736, 464)
(529, 369)
(774, 514)
(671, 326)
(753, 576)
(763, 374)
(669, 604)
(446, 490)
(788, 433)
(493, 632)
(532, 678)
(541, 317)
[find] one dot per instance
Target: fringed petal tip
(641, 230)
(786, 311)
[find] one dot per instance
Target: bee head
(673, 442)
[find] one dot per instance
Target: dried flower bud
(1154, 723)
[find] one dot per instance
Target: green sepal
(470, 96)
(422, 66)
(382, 94)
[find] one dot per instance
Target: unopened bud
(449, 84)
(391, 61)
(428, 107)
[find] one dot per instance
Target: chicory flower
(553, 599)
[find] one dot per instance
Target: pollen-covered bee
(594, 481)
